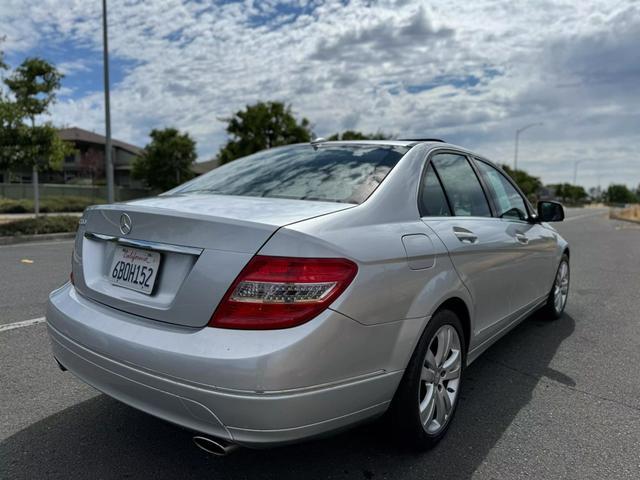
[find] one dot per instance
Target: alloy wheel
(440, 379)
(561, 287)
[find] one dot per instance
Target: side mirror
(550, 212)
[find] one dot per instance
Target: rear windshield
(333, 173)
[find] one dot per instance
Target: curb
(36, 238)
(616, 217)
(624, 219)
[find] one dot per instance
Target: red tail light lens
(282, 292)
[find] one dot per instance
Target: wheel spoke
(427, 407)
(427, 375)
(444, 346)
(441, 406)
(452, 366)
(430, 360)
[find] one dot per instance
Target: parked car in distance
(307, 288)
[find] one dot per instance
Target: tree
(166, 161)
(262, 125)
(527, 183)
(33, 86)
(355, 135)
(620, 194)
(570, 193)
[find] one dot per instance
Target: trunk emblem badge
(125, 224)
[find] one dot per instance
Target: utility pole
(518, 132)
(108, 161)
(575, 171)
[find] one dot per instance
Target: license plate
(134, 268)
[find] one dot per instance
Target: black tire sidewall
(551, 308)
(405, 407)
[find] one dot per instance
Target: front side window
(508, 201)
(461, 185)
(330, 173)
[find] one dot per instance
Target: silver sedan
(307, 288)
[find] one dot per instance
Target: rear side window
(508, 201)
(330, 173)
(461, 185)
(433, 202)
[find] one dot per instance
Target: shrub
(31, 226)
(47, 204)
(8, 205)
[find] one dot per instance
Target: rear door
(455, 205)
(535, 245)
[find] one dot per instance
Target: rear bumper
(223, 382)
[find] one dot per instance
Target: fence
(25, 190)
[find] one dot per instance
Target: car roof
(408, 143)
(397, 143)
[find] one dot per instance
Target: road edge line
(23, 323)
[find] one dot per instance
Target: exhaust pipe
(214, 446)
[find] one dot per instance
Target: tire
(420, 413)
(554, 308)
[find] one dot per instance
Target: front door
(535, 244)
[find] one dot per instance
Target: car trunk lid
(203, 241)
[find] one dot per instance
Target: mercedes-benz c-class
(306, 288)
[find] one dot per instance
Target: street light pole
(518, 132)
(108, 161)
(575, 171)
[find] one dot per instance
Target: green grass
(31, 226)
(47, 204)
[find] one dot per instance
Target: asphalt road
(550, 400)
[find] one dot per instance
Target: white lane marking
(24, 323)
(585, 215)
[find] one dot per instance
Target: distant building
(86, 166)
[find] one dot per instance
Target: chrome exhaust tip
(214, 446)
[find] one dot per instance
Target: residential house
(86, 166)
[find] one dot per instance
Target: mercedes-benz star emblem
(125, 224)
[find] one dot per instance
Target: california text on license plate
(134, 268)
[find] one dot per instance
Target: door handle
(464, 235)
(522, 238)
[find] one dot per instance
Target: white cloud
(468, 71)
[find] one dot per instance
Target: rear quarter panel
(385, 288)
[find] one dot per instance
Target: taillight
(282, 292)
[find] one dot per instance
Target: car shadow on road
(102, 438)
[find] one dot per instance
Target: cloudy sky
(471, 72)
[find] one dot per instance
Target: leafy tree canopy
(570, 193)
(620, 194)
(167, 159)
(34, 85)
(355, 135)
(262, 125)
(527, 183)
(23, 144)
